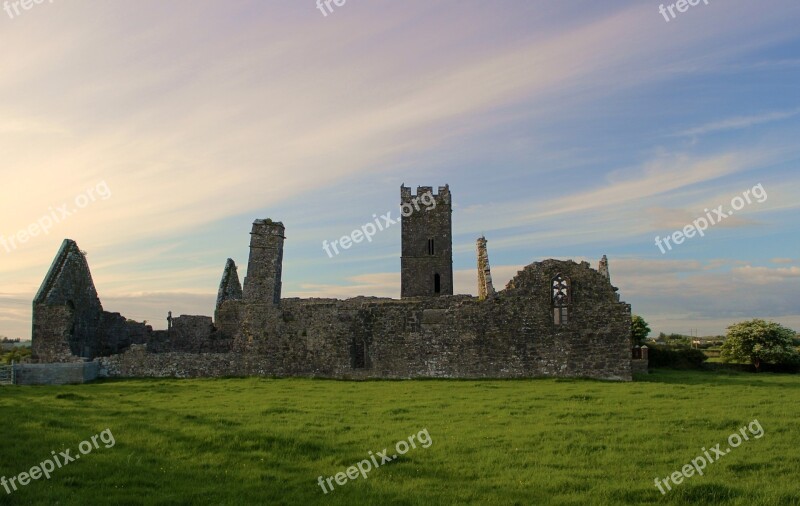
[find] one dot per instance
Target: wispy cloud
(622, 199)
(547, 118)
(739, 122)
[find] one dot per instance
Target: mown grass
(547, 441)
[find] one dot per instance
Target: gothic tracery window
(561, 299)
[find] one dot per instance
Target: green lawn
(547, 441)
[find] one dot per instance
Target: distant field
(265, 441)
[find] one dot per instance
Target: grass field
(548, 441)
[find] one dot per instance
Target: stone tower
(262, 285)
(485, 287)
(603, 269)
(426, 262)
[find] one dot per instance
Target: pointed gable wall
(229, 287)
(227, 316)
(68, 279)
(66, 310)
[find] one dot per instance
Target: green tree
(17, 355)
(639, 329)
(758, 341)
(679, 341)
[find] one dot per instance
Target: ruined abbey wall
(511, 335)
(555, 318)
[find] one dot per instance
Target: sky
(154, 133)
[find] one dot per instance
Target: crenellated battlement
(443, 194)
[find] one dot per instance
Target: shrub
(17, 355)
(790, 365)
(676, 358)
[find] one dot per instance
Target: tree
(18, 355)
(679, 341)
(639, 329)
(757, 341)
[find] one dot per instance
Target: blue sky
(564, 129)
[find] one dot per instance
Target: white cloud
(767, 275)
(226, 113)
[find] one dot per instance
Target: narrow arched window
(431, 249)
(562, 298)
(437, 283)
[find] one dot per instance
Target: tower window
(431, 249)
(437, 283)
(561, 299)
(358, 353)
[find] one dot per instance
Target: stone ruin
(554, 318)
(485, 287)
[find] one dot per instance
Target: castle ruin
(554, 318)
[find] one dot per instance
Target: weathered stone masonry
(555, 318)
(426, 260)
(68, 319)
(485, 285)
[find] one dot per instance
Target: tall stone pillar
(262, 285)
(485, 287)
(603, 269)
